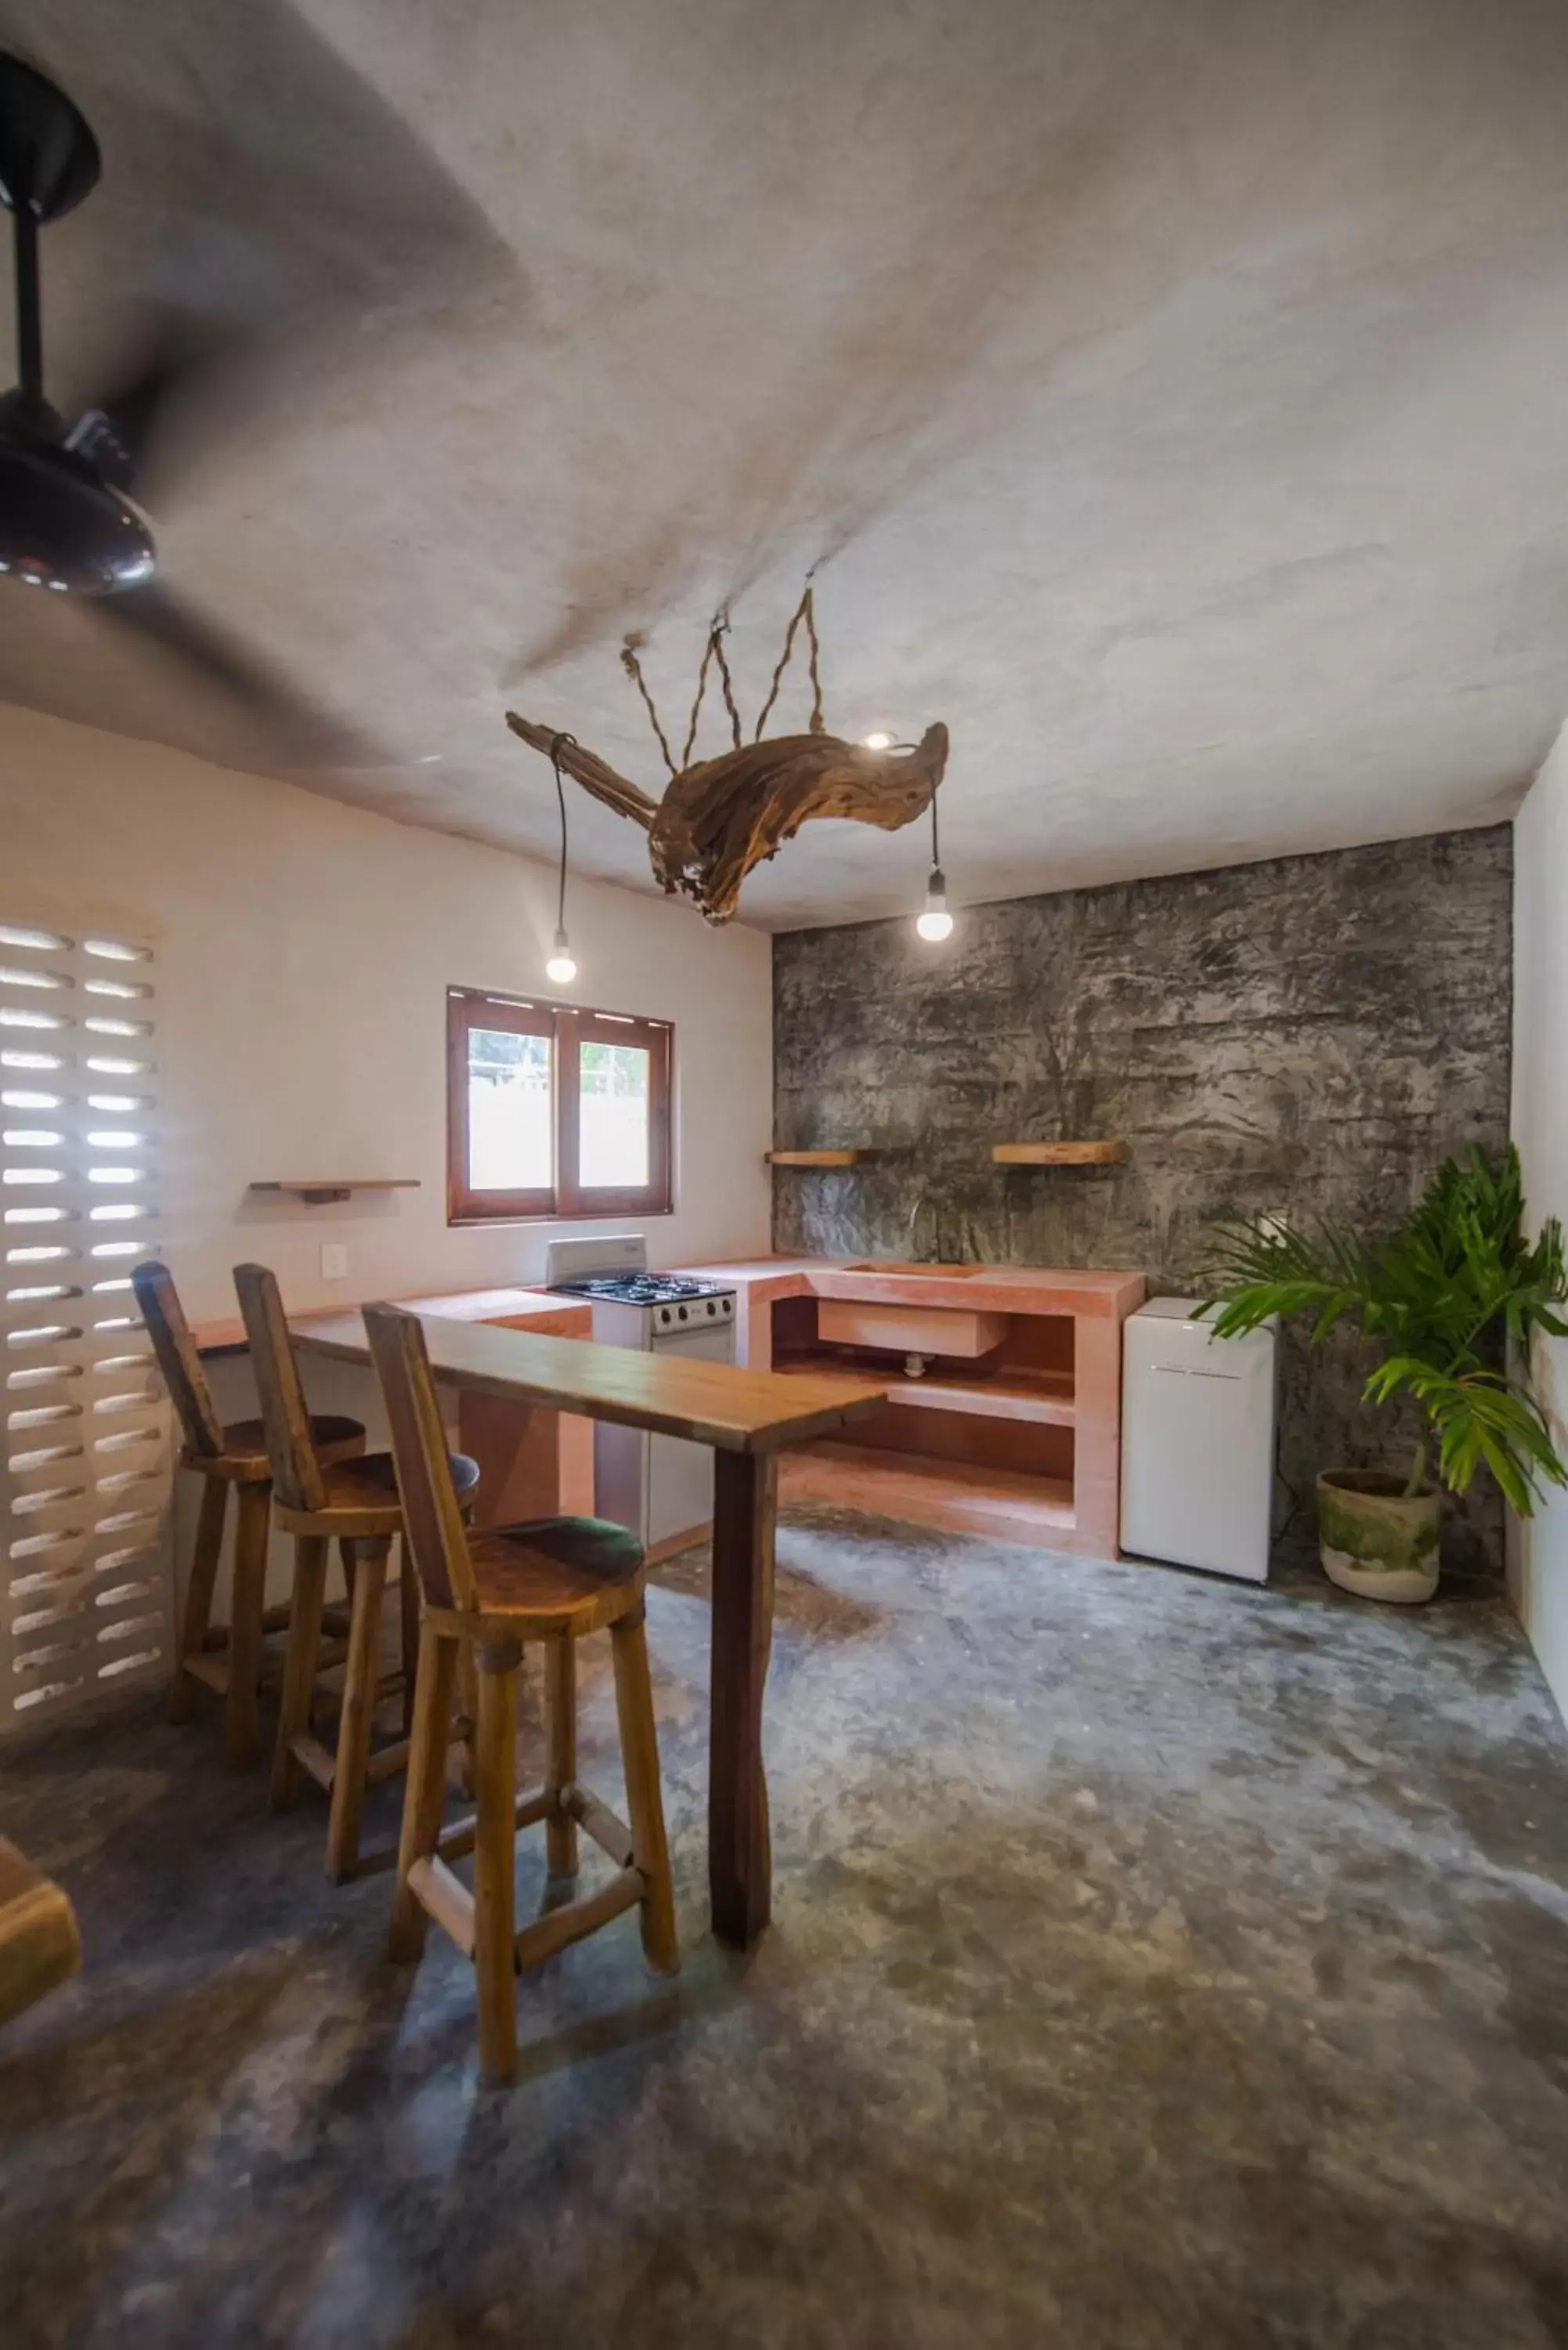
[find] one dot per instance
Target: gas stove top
(639, 1288)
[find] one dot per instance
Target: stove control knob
(682, 1311)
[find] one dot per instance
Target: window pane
(511, 1119)
(613, 1135)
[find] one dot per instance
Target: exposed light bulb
(561, 969)
(877, 742)
(934, 923)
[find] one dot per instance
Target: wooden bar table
(748, 1418)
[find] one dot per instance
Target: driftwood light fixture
(720, 817)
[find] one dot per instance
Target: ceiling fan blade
(291, 728)
(278, 215)
(176, 357)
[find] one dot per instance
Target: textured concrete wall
(1310, 1035)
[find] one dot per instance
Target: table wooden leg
(740, 1860)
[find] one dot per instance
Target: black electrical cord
(561, 801)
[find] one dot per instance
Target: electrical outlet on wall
(334, 1261)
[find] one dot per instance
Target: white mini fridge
(1198, 1441)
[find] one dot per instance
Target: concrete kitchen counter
(532, 1463)
(511, 1309)
(1023, 1443)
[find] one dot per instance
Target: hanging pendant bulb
(562, 968)
(934, 922)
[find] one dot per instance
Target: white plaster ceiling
(1171, 395)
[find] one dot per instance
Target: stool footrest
(322, 1763)
(598, 1820)
(318, 1760)
(456, 1842)
(446, 1898)
(443, 1896)
(330, 1654)
(386, 1762)
(574, 1919)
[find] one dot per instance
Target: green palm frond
(1447, 1295)
(1476, 1416)
(1260, 1268)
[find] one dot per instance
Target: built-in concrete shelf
(1016, 1435)
(1045, 1396)
(1059, 1154)
(1010, 1507)
(820, 1158)
(317, 1190)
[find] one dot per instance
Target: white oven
(660, 1486)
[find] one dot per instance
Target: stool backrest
(296, 1477)
(178, 1360)
(433, 1521)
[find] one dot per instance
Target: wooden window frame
(568, 1027)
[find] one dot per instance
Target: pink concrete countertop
(514, 1309)
(995, 1288)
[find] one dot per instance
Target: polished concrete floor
(1157, 1962)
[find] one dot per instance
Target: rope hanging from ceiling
(720, 817)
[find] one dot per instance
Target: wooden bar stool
(223, 1457)
(489, 1594)
(315, 1500)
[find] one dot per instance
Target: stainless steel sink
(927, 1272)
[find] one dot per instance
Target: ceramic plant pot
(1375, 1539)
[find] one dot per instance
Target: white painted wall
(304, 951)
(1538, 1563)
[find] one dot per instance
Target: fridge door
(1198, 1442)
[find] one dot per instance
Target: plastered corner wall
(1538, 1562)
(304, 949)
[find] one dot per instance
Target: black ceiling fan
(66, 522)
(69, 523)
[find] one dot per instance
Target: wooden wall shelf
(1059, 1154)
(819, 1158)
(317, 1190)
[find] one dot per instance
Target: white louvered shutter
(86, 1471)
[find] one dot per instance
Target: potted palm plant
(1450, 1300)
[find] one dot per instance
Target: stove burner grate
(639, 1288)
